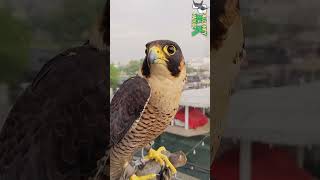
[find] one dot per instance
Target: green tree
(15, 40)
(132, 68)
(114, 76)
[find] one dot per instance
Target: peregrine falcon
(54, 130)
(144, 106)
(227, 53)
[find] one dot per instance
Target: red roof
(267, 163)
(196, 117)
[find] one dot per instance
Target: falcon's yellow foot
(160, 158)
(146, 177)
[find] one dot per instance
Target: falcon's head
(163, 58)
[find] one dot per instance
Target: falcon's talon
(160, 158)
(146, 177)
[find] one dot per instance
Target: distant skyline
(136, 22)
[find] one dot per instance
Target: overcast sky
(136, 22)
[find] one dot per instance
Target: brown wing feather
(127, 105)
(58, 127)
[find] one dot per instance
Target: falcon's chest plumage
(161, 107)
(158, 112)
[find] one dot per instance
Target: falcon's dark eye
(170, 50)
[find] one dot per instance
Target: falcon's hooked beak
(157, 56)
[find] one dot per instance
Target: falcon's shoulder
(75, 69)
(127, 105)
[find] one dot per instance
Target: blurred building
(199, 77)
(283, 118)
(274, 106)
